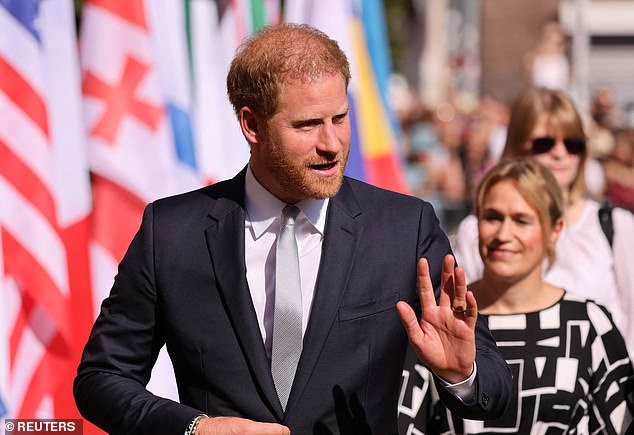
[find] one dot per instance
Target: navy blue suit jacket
(183, 283)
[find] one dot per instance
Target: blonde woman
(571, 371)
(545, 125)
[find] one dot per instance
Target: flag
(45, 299)
(359, 28)
(137, 103)
(216, 28)
(169, 39)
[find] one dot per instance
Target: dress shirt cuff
(464, 390)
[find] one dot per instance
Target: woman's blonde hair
(562, 114)
(538, 187)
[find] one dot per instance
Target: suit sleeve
(493, 383)
(122, 348)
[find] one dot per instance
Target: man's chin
(322, 189)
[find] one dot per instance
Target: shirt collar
(263, 207)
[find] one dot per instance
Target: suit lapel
(225, 241)
(339, 248)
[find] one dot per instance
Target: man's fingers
(471, 315)
(448, 264)
(459, 302)
(408, 317)
(273, 429)
(425, 288)
(447, 281)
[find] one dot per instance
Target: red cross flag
(130, 150)
(120, 101)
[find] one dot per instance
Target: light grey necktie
(287, 316)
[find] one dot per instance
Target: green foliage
(398, 14)
(78, 6)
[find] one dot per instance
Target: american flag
(44, 209)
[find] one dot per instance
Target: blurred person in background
(604, 110)
(611, 142)
(545, 124)
(547, 64)
(434, 168)
(606, 119)
(498, 115)
(572, 373)
(423, 152)
(619, 171)
(449, 177)
(477, 150)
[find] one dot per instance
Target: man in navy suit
(199, 276)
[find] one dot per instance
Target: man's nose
(328, 140)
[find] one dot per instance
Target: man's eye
(340, 118)
(306, 125)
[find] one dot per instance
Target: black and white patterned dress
(571, 374)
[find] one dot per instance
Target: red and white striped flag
(45, 297)
(132, 151)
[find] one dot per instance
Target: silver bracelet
(193, 425)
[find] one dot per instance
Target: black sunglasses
(574, 146)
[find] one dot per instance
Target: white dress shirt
(262, 226)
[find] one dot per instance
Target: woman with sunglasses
(545, 125)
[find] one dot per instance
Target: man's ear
(251, 124)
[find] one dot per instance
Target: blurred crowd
(450, 147)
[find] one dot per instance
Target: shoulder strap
(605, 219)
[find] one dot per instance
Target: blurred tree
(399, 15)
(78, 5)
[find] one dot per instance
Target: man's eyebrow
(305, 121)
(317, 120)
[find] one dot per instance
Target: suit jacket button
(485, 399)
